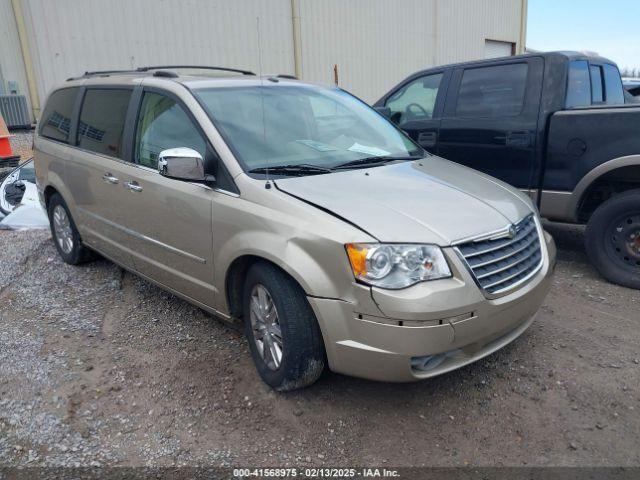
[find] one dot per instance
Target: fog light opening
(424, 364)
(429, 362)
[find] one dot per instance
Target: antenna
(267, 184)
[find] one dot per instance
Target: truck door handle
(133, 186)
(514, 139)
(107, 177)
(427, 139)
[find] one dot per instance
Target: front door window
(416, 100)
(163, 124)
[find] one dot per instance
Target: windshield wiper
(372, 161)
(300, 169)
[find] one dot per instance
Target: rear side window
(55, 122)
(163, 124)
(416, 100)
(613, 85)
(578, 85)
(597, 93)
(496, 91)
(102, 121)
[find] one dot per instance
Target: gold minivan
(297, 210)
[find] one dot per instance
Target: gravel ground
(21, 141)
(98, 367)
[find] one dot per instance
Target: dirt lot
(98, 367)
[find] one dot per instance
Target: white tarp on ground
(28, 214)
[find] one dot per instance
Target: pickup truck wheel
(65, 234)
(613, 239)
(282, 330)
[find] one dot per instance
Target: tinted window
(416, 100)
(102, 121)
(613, 85)
(55, 122)
(596, 84)
(492, 91)
(163, 124)
(578, 85)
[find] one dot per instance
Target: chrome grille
(503, 262)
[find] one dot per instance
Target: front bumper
(430, 328)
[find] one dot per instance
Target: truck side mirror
(384, 111)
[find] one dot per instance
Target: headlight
(396, 265)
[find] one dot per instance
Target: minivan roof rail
(99, 72)
(195, 67)
(160, 67)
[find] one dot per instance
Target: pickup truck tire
(282, 330)
(65, 234)
(613, 239)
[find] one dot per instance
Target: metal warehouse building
(372, 44)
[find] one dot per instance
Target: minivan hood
(425, 201)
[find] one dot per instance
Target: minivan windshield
(302, 127)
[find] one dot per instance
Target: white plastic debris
(29, 214)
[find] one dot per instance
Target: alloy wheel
(265, 326)
(62, 229)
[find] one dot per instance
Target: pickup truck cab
(556, 125)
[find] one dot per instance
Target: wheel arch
(48, 192)
(603, 182)
(236, 274)
(234, 281)
(55, 184)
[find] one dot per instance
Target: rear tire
(282, 331)
(65, 234)
(613, 239)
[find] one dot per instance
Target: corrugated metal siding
(464, 25)
(377, 43)
(11, 63)
(72, 36)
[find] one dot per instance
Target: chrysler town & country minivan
(297, 210)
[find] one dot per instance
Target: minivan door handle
(427, 139)
(107, 177)
(133, 186)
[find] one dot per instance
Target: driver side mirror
(384, 111)
(182, 163)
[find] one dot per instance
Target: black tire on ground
(612, 239)
(303, 354)
(79, 253)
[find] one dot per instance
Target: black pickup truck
(556, 125)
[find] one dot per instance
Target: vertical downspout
(26, 58)
(436, 40)
(297, 38)
(523, 26)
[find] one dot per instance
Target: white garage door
(495, 49)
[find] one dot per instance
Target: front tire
(282, 330)
(613, 239)
(65, 234)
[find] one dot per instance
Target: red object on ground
(5, 144)
(5, 147)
